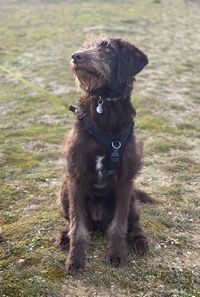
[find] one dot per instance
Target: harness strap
(95, 132)
(114, 145)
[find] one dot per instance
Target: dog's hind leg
(64, 199)
(62, 239)
(135, 236)
(143, 196)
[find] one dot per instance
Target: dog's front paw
(141, 245)
(74, 265)
(116, 259)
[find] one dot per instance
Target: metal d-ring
(116, 145)
(100, 101)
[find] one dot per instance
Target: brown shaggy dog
(98, 190)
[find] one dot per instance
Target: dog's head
(106, 62)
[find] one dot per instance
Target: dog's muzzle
(77, 57)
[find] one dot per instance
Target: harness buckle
(116, 145)
(73, 109)
(115, 156)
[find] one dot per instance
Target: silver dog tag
(99, 108)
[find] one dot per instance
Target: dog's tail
(143, 197)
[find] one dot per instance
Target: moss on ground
(37, 39)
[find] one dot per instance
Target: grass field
(36, 41)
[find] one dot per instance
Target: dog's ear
(130, 61)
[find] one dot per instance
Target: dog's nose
(77, 57)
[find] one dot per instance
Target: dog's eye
(107, 49)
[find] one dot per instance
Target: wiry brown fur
(103, 67)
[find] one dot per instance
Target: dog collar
(112, 99)
(100, 102)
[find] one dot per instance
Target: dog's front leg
(118, 227)
(78, 233)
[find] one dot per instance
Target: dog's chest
(99, 166)
(100, 172)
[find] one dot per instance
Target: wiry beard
(88, 81)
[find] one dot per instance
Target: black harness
(114, 145)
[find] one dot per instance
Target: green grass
(37, 40)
